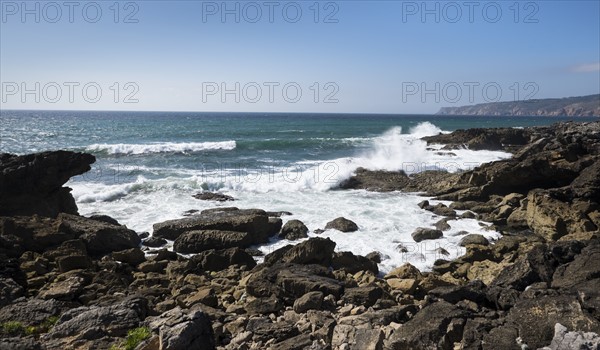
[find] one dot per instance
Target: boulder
(133, 256)
(99, 237)
(193, 242)
(95, 322)
(32, 184)
(353, 263)
(217, 260)
(183, 330)
(255, 222)
(213, 196)
(294, 229)
(9, 291)
(342, 224)
(264, 306)
(309, 301)
(366, 296)
(154, 242)
(423, 233)
(473, 238)
(313, 251)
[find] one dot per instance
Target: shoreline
(544, 200)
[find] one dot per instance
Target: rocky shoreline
(73, 282)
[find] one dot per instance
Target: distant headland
(581, 106)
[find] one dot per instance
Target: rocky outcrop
(342, 224)
(32, 184)
(294, 229)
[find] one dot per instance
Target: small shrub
(136, 336)
(13, 328)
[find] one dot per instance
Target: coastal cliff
(69, 281)
(584, 106)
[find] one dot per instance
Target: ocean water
(149, 164)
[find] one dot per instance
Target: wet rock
(442, 225)
(32, 184)
(379, 181)
(374, 257)
(294, 229)
(342, 224)
(423, 233)
(154, 242)
(213, 196)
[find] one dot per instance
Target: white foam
(161, 147)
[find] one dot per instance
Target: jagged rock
(353, 263)
(342, 224)
(405, 271)
(183, 330)
(99, 237)
(255, 222)
(66, 287)
(423, 233)
(380, 181)
(32, 311)
(444, 322)
(263, 306)
(574, 340)
(309, 301)
(217, 260)
(95, 322)
(552, 218)
(313, 251)
(366, 296)
(535, 266)
(213, 196)
(9, 291)
(154, 242)
(374, 257)
(133, 256)
(73, 262)
(291, 281)
(583, 268)
(32, 184)
(473, 238)
(193, 242)
(473, 291)
(294, 229)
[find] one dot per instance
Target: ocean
(150, 164)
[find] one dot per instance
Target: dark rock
(278, 214)
(366, 296)
(442, 225)
(441, 332)
(264, 306)
(294, 229)
(255, 222)
(183, 330)
(9, 291)
(473, 239)
(536, 266)
(133, 256)
(265, 330)
(473, 291)
(583, 268)
(213, 196)
(99, 237)
(342, 224)
(353, 263)
(309, 301)
(379, 181)
(442, 210)
(313, 251)
(32, 184)
(374, 257)
(217, 260)
(291, 281)
(192, 242)
(299, 342)
(154, 242)
(95, 322)
(423, 233)
(73, 262)
(32, 311)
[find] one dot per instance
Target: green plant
(134, 338)
(13, 328)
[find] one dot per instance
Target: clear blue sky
(377, 58)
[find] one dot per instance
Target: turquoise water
(150, 164)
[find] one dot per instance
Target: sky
(404, 57)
